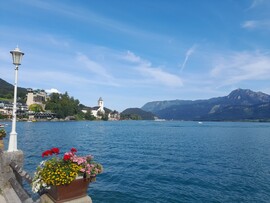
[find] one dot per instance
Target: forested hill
(137, 114)
(7, 90)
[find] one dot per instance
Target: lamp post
(16, 57)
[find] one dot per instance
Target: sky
(134, 52)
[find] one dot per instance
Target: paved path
(10, 196)
(2, 199)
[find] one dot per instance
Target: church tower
(101, 104)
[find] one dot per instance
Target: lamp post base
(12, 145)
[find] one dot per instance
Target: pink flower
(82, 170)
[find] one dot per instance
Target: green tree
(63, 105)
(88, 116)
(105, 117)
(35, 108)
(130, 117)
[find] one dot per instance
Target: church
(98, 111)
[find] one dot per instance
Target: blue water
(147, 161)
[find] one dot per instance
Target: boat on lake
(158, 119)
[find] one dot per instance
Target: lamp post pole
(16, 56)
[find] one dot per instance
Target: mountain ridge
(7, 91)
(240, 104)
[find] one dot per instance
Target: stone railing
(11, 177)
(18, 188)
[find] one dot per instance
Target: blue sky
(133, 52)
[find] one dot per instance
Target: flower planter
(76, 189)
(65, 179)
(2, 146)
(2, 135)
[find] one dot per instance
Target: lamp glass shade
(17, 56)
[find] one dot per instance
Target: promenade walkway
(2, 199)
(8, 195)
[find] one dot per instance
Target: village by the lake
(146, 101)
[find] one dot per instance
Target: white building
(98, 111)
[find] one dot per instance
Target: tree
(63, 105)
(130, 117)
(35, 108)
(89, 116)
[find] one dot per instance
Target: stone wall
(6, 171)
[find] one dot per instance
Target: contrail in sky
(188, 53)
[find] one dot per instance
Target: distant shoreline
(63, 120)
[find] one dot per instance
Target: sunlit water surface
(148, 161)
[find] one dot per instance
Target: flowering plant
(2, 133)
(62, 171)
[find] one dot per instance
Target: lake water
(148, 161)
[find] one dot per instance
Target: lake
(171, 161)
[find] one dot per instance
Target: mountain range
(240, 104)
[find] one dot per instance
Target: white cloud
(86, 15)
(255, 3)
(188, 54)
(132, 57)
(249, 24)
(52, 90)
(241, 66)
(56, 41)
(160, 76)
(256, 24)
(93, 66)
(151, 73)
(262, 8)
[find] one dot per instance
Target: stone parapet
(6, 172)
(46, 199)
(10, 196)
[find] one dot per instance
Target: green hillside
(7, 91)
(137, 114)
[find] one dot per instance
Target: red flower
(73, 150)
(47, 153)
(66, 157)
(44, 154)
(55, 150)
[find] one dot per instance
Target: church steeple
(101, 104)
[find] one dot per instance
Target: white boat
(158, 119)
(2, 125)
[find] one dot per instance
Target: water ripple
(162, 161)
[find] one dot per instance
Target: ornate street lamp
(16, 57)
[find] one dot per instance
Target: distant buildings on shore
(39, 97)
(99, 111)
(6, 108)
(36, 97)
